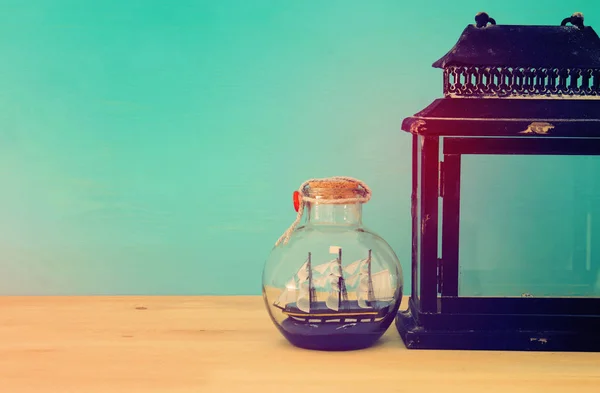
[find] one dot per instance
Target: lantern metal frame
(540, 103)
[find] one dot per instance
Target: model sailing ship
(300, 302)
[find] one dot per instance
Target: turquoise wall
(152, 147)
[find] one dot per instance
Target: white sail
(363, 285)
(351, 268)
(359, 273)
(303, 272)
(364, 266)
(322, 268)
(355, 270)
(382, 284)
(362, 303)
(288, 295)
(362, 292)
(335, 284)
(320, 281)
(333, 300)
(303, 304)
(335, 270)
(352, 280)
(303, 301)
(333, 277)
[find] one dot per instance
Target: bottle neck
(332, 214)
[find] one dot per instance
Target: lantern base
(437, 335)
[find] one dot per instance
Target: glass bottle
(332, 284)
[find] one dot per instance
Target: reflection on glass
(530, 226)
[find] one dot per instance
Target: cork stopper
(334, 189)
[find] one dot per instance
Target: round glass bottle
(331, 284)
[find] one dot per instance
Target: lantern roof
(525, 46)
(512, 80)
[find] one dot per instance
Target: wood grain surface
(229, 344)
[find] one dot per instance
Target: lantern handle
(576, 20)
(482, 19)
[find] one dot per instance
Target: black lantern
(510, 92)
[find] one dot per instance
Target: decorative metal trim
(513, 82)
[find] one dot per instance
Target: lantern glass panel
(529, 226)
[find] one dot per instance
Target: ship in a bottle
(372, 294)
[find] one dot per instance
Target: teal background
(152, 147)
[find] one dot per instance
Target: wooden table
(228, 344)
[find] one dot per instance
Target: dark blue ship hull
(349, 312)
(338, 330)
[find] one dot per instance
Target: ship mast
(371, 293)
(342, 294)
(311, 289)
